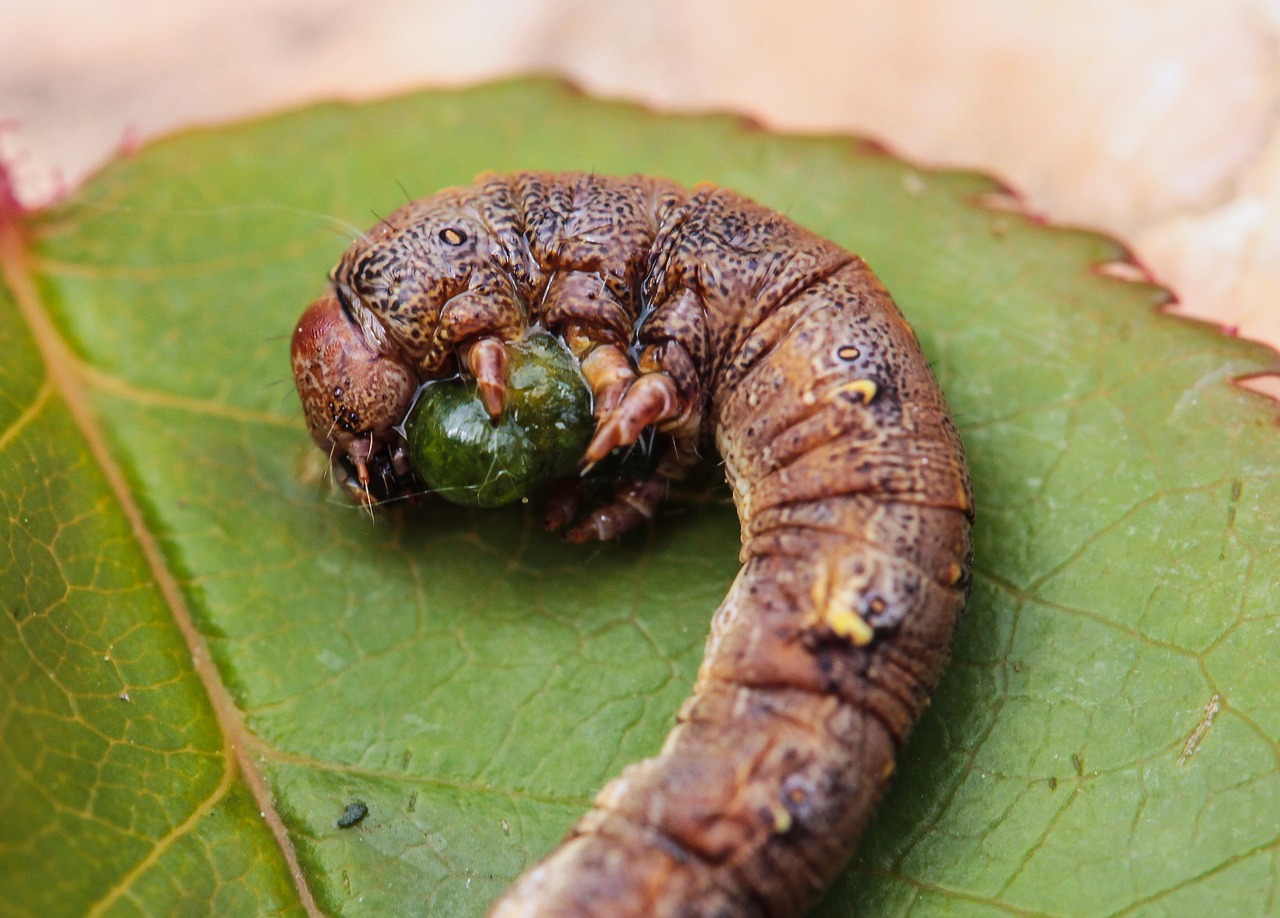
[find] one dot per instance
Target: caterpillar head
(355, 388)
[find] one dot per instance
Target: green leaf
(1107, 739)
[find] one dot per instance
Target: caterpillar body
(705, 317)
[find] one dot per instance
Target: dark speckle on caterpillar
(709, 319)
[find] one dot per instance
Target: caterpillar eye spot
(848, 353)
(452, 236)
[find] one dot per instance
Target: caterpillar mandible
(707, 318)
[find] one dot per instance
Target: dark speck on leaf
(353, 814)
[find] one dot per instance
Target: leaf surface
(207, 655)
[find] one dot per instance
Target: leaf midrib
(68, 378)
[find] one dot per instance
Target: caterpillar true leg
(633, 503)
(487, 361)
(650, 400)
(607, 369)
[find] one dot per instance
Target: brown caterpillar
(707, 317)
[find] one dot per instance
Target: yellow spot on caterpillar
(834, 609)
(953, 574)
(781, 821)
(865, 389)
(848, 624)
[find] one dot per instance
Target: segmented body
(743, 329)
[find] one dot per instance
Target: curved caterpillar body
(706, 317)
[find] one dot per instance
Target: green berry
(458, 451)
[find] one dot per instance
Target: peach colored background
(1155, 120)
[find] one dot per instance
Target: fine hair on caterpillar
(704, 321)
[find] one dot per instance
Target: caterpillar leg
(475, 327)
(609, 374)
(660, 391)
(632, 502)
(581, 307)
(635, 502)
(666, 395)
(487, 361)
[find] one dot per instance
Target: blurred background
(1157, 121)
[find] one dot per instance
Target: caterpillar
(704, 319)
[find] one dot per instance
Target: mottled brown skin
(712, 319)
